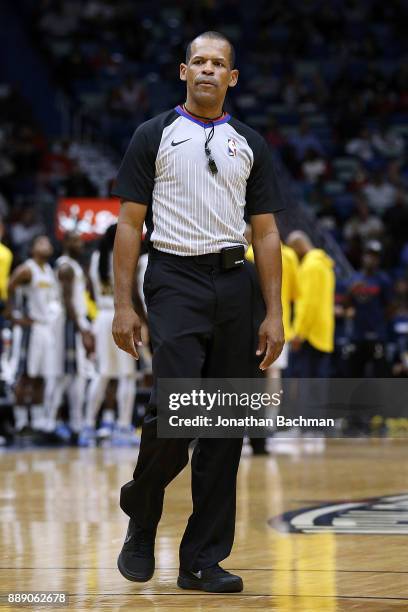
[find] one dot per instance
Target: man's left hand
(88, 341)
(271, 340)
(296, 343)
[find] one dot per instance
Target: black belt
(207, 259)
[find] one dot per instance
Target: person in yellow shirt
(6, 259)
(313, 326)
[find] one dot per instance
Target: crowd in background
(326, 83)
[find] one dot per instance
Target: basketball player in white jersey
(77, 339)
(38, 353)
(111, 362)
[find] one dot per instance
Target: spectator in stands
(58, 21)
(78, 184)
(303, 139)
(314, 166)
(313, 325)
(24, 230)
(319, 89)
(102, 60)
(274, 135)
(57, 162)
(26, 149)
(363, 223)
(387, 142)
(292, 91)
(359, 179)
(266, 83)
(361, 146)
(328, 215)
(380, 193)
(131, 98)
(395, 176)
(369, 294)
(99, 11)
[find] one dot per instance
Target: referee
(191, 174)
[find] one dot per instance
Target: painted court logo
(232, 147)
(379, 515)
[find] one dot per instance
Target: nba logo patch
(232, 147)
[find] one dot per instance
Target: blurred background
(325, 82)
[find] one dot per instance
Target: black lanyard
(211, 162)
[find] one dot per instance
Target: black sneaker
(212, 579)
(136, 560)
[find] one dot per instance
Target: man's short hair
(71, 234)
(216, 36)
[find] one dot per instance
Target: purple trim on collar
(182, 112)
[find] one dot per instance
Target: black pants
(309, 362)
(200, 325)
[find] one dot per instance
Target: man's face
(42, 248)
(371, 260)
(208, 73)
(74, 245)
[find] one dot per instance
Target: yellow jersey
(314, 311)
(6, 258)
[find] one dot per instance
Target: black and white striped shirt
(190, 210)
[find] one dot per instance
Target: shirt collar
(180, 110)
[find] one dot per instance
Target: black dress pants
(200, 324)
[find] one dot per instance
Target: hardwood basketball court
(61, 529)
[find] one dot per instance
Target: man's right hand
(126, 330)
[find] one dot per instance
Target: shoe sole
(235, 586)
(133, 577)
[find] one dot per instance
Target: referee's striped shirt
(190, 210)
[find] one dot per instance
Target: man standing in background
(75, 328)
(369, 294)
(36, 328)
(313, 325)
(110, 361)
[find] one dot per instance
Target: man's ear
(183, 72)
(233, 78)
